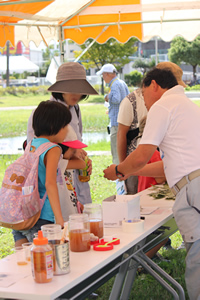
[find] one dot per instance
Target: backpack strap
(42, 148)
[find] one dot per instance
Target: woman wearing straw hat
(71, 87)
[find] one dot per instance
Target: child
(67, 194)
(50, 124)
(144, 182)
(70, 88)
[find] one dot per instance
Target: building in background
(145, 51)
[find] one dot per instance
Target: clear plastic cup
(51, 231)
(20, 256)
(27, 249)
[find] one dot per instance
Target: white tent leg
(61, 46)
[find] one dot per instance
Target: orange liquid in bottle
(83, 178)
(79, 240)
(83, 173)
(96, 227)
(40, 267)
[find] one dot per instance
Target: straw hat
(71, 78)
(175, 69)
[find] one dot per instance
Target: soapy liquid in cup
(96, 227)
(79, 240)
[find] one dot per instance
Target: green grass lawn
(22, 100)
(14, 122)
(33, 100)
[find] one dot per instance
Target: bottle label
(83, 172)
(49, 264)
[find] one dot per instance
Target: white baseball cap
(108, 68)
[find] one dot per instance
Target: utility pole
(7, 55)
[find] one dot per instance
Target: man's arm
(114, 96)
(122, 141)
(133, 163)
(155, 169)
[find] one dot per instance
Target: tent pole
(46, 44)
(90, 45)
(7, 55)
(129, 22)
(61, 46)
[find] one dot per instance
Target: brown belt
(186, 179)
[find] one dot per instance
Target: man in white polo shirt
(173, 123)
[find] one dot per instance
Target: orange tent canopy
(11, 12)
(37, 20)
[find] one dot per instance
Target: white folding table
(91, 269)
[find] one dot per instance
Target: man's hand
(110, 173)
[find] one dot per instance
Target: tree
(111, 52)
(134, 78)
(144, 64)
(183, 51)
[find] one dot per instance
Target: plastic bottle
(41, 259)
(79, 232)
(94, 211)
(83, 173)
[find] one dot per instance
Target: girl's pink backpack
(20, 203)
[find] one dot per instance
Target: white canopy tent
(17, 64)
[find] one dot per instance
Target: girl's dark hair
(59, 96)
(163, 77)
(50, 117)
